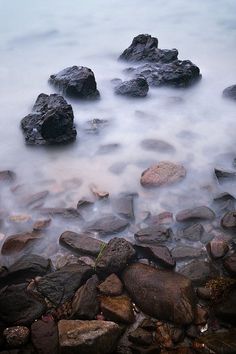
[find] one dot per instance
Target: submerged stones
(51, 121)
(162, 294)
(230, 92)
(76, 81)
(134, 88)
(201, 212)
(107, 225)
(161, 174)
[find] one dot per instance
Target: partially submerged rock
(230, 264)
(44, 336)
(229, 220)
(153, 234)
(230, 92)
(107, 225)
(157, 145)
(76, 81)
(19, 242)
(87, 337)
(224, 176)
(220, 342)
(199, 271)
(134, 88)
(159, 254)
(7, 176)
(163, 173)
(16, 336)
(161, 294)
(81, 243)
(201, 212)
(117, 308)
(51, 121)
(124, 205)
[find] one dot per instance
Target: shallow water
(41, 38)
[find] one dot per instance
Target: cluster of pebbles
(170, 288)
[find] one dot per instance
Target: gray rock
(81, 243)
(88, 337)
(62, 284)
(226, 310)
(192, 233)
(199, 271)
(230, 92)
(115, 256)
(16, 336)
(159, 254)
(224, 176)
(186, 252)
(117, 308)
(111, 286)
(76, 81)
(124, 206)
(107, 225)
(134, 88)
(201, 212)
(165, 295)
(153, 234)
(51, 121)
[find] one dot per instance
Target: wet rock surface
(186, 252)
(107, 225)
(76, 81)
(18, 307)
(117, 308)
(88, 337)
(51, 121)
(230, 264)
(62, 284)
(192, 233)
(159, 254)
(111, 286)
(162, 174)
(221, 342)
(44, 336)
(134, 88)
(156, 145)
(81, 243)
(162, 294)
(123, 205)
(19, 242)
(153, 234)
(217, 248)
(229, 220)
(201, 212)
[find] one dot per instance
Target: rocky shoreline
(123, 283)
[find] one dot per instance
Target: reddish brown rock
(201, 212)
(162, 174)
(87, 337)
(111, 286)
(217, 248)
(44, 336)
(161, 294)
(19, 242)
(117, 308)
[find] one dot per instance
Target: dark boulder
(81, 243)
(117, 308)
(62, 284)
(230, 92)
(217, 248)
(145, 48)
(76, 81)
(134, 88)
(19, 307)
(19, 242)
(230, 264)
(157, 145)
(29, 266)
(115, 256)
(226, 310)
(179, 73)
(161, 294)
(159, 254)
(44, 336)
(199, 271)
(51, 121)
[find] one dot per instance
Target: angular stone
(199, 271)
(18, 307)
(229, 220)
(161, 294)
(28, 266)
(201, 316)
(44, 336)
(107, 225)
(163, 173)
(224, 176)
(124, 206)
(115, 256)
(62, 284)
(164, 218)
(81, 243)
(192, 233)
(178, 74)
(217, 248)
(201, 212)
(133, 88)
(76, 81)
(67, 213)
(230, 92)
(144, 48)
(16, 336)
(153, 234)
(51, 121)
(7, 176)
(159, 254)
(184, 252)
(157, 145)
(117, 308)
(85, 304)
(141, 337)
(111, 286)
(84, 203)
(19, 242)
(87, 337)
(230, 264)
